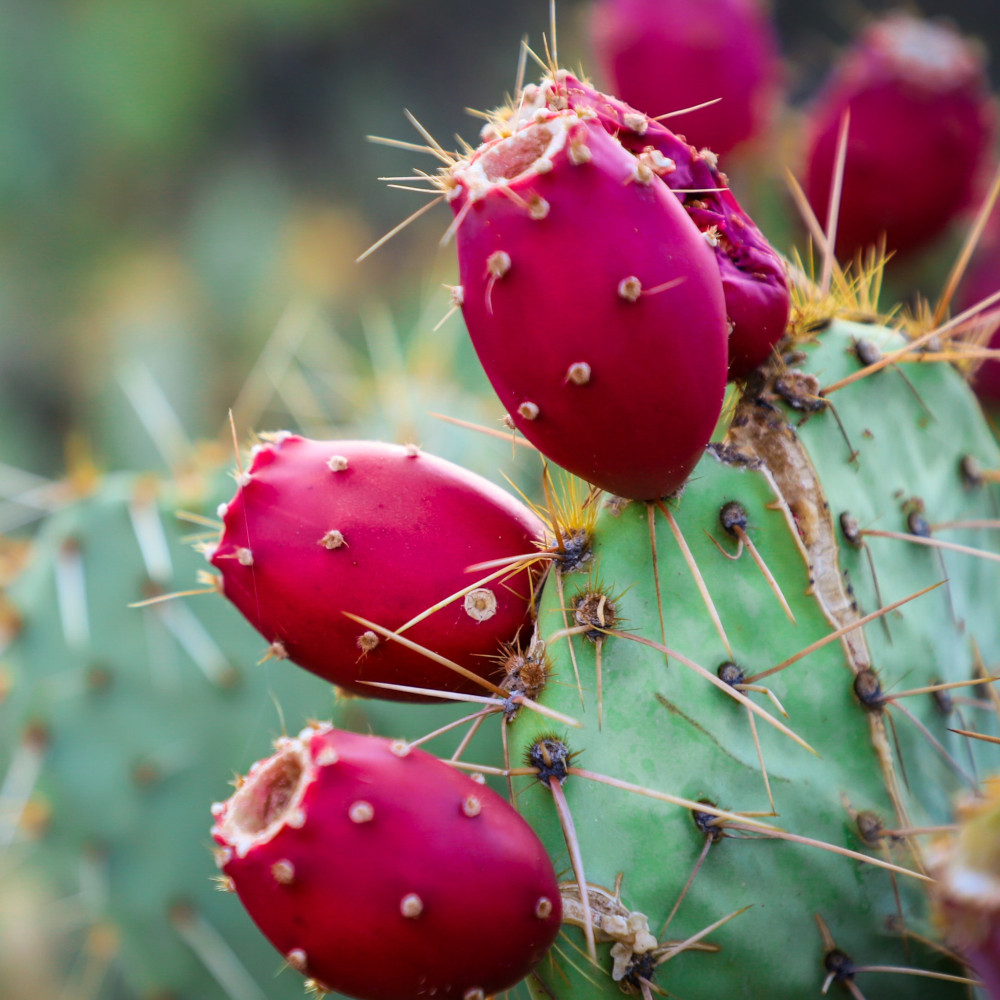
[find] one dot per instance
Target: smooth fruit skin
(753, 276)
(319, 528)
(666, 55)
(922, 125)
(382, 873)
(593, 302)
(982, 280)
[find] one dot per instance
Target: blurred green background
(175, 175)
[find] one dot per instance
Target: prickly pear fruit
(320, 529)
(383, 873)
(667, 55)
(922, 125)
(593, 302)
(982, 280)
(753, 275)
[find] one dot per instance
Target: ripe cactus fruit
(318, 529)
(922, 125)
(593, 302)
(753, 276)
(113, 713)
(381, 872)
(980, 281)
(667, 55)
(886, 767)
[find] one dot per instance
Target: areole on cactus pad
(381, 872)
(318, 530)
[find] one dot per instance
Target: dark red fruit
(593, 302)
(318, 528)
(922, 125)
(382, 873)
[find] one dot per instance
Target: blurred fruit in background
(922, 126)
(662, 56)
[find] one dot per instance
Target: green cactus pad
(667, 728)
(139, 717)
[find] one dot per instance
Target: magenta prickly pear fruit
(922, 125)
(753, 276)
(980, 281)
(379, 871)
(593, 302)
(666, 55)
(384, 532)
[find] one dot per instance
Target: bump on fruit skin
(441, 891)
(614, 276)
(385, 536)
(922, 126)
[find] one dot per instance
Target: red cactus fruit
(981, 281)
(922, 124)
(380, 872)
(318, 528)
(753, 276)
(593, 302)
(666, 55)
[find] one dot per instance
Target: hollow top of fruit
(268, 798)
(924, 53)
(527, 151)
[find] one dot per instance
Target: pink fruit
(318, 528)
(666, 55)
(922, 125)
(593, 302)
(382, 873)
(753, 276)
(982, 280)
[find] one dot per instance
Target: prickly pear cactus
(119, 725)
(744, 807)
